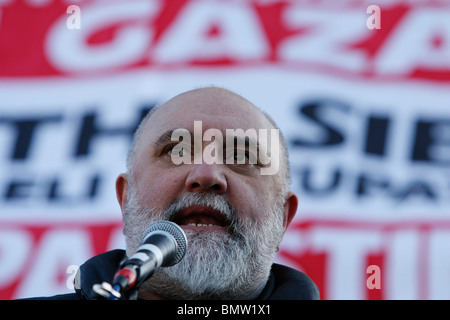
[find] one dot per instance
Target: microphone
(164, 244)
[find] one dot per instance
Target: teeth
(200, 225)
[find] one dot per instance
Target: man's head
(234, 217)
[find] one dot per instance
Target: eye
(168, 149)
(241, 157)
(176, 151)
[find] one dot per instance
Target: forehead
(215, 108)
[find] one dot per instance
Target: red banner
(360, 90)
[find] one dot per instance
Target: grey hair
(131, 157)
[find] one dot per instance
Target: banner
(360, 89)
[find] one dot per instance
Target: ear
(290, 208)
(122, 189)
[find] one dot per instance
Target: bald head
(232, 212)
(219, 101)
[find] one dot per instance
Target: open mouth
(201, 218)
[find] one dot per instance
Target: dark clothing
(284, 283)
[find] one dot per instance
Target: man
(234, 216)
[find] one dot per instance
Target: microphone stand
(164, 245)
(125, 283)
(109, 292)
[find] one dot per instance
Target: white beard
(233, 265)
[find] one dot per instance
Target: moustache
(214, 205)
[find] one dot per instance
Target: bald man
(187, 165)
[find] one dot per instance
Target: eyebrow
(167, 137)
(164, 138)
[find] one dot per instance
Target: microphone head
(176, 232)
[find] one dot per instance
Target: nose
(206, 177)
